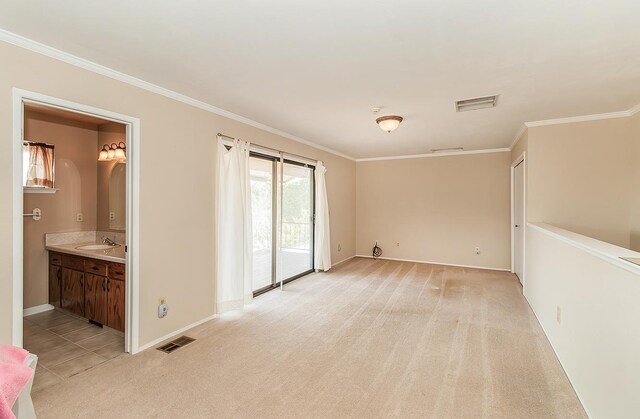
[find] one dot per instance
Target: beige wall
(438, 209)
(596, 339)
(107, 134)
(75, 177)
(579, 178)
(177, 181)
(635, 184)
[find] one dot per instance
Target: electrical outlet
(558, 314)
(112, 216)
(477, 250)
(339, 248)
(79, 217)
(163, 310)
(397, 244)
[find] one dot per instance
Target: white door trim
(132, 315)
(521, 159)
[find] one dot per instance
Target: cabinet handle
(95, 268)
(108, 284)
(104, 284)
(82, 280)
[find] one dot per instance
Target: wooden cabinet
(55, 285)
(115, 304)
(73, 291)
(95, 298)
(88, 287)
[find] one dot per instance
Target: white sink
(96, 247)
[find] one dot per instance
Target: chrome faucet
(107, 240)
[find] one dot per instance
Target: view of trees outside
(261, 202)
(297, 223)
(261, 208)
(296, 208)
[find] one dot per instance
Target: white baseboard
(438, 263)
(37, 309)
(343, 261)
(174, 333)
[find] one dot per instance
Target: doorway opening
(518, 217)
(282, 202)
(75, 232)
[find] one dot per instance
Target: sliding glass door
(283, 214)
(262, 172)
(297, 220)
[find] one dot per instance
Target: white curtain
(233, 219)
(322, 245)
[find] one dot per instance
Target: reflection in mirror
(38, 165)
(117, 197)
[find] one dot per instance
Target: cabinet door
(73, 291)
(115, 304)
(95, 298)
(55, 285)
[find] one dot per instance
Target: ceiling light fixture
(113, 152)
(445, 150)
(389, 123)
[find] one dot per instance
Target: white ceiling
(314, 69)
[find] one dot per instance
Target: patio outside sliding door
(263, 175)
(297, 220)
(297, 212)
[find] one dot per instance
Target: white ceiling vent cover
(476, 103)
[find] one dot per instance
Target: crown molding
(444, 154)
(584, 118)
(572, 119)
(521, 131)
(37, 47)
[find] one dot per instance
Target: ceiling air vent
(476, 103)
(446, 150)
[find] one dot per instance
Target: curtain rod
(270, 148)
(27, 142)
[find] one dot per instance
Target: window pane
(297, 221)
(38, 162)
(262, 208)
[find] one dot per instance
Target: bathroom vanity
(88, 284)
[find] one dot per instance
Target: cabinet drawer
(116, 270)
(95, 267)
(73, 262)
(55, 259)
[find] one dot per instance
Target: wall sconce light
(113, 152)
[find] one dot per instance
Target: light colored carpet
(368, 339)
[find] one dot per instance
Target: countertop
(115, 254)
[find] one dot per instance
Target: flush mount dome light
(389, 123)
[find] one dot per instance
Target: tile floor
(67, 345)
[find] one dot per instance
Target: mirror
(117, 197)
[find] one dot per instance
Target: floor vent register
(175, 344)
